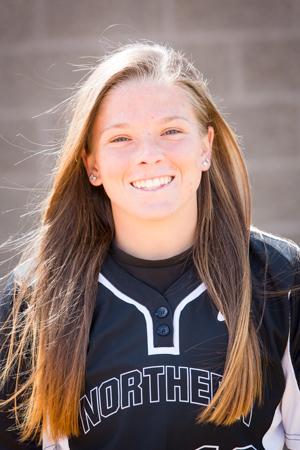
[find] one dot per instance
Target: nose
(149, 152)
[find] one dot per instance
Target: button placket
(161, 312)
(163, 329)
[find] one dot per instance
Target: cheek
(193, 172)
(112, 165)
(197, 157)
(194, 181)
(191, 162)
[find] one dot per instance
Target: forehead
(144, 99)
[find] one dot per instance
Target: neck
(156, 239)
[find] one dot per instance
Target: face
(146, 130)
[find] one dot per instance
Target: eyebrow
(164, 120)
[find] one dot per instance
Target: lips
(154, 188)
(151, 178)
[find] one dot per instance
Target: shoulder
(263, 242)
(275, 264)
(276, 256)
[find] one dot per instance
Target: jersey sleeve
(8, 434)
(291, 366)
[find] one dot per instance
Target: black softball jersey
(157, 351)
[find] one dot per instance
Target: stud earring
(92, 177)
(205, 162)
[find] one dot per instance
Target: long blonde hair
(53, 299)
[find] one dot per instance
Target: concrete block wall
(248, 50)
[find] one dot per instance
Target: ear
(91, 167)
(207, 144)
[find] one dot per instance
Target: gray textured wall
(248, 50)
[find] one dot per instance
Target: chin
(155, 216)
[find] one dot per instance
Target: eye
(120, 139)
(172, 131)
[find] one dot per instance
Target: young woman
(148, 314)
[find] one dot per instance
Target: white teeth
(154, 182)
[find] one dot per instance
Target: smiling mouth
(153, 188)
